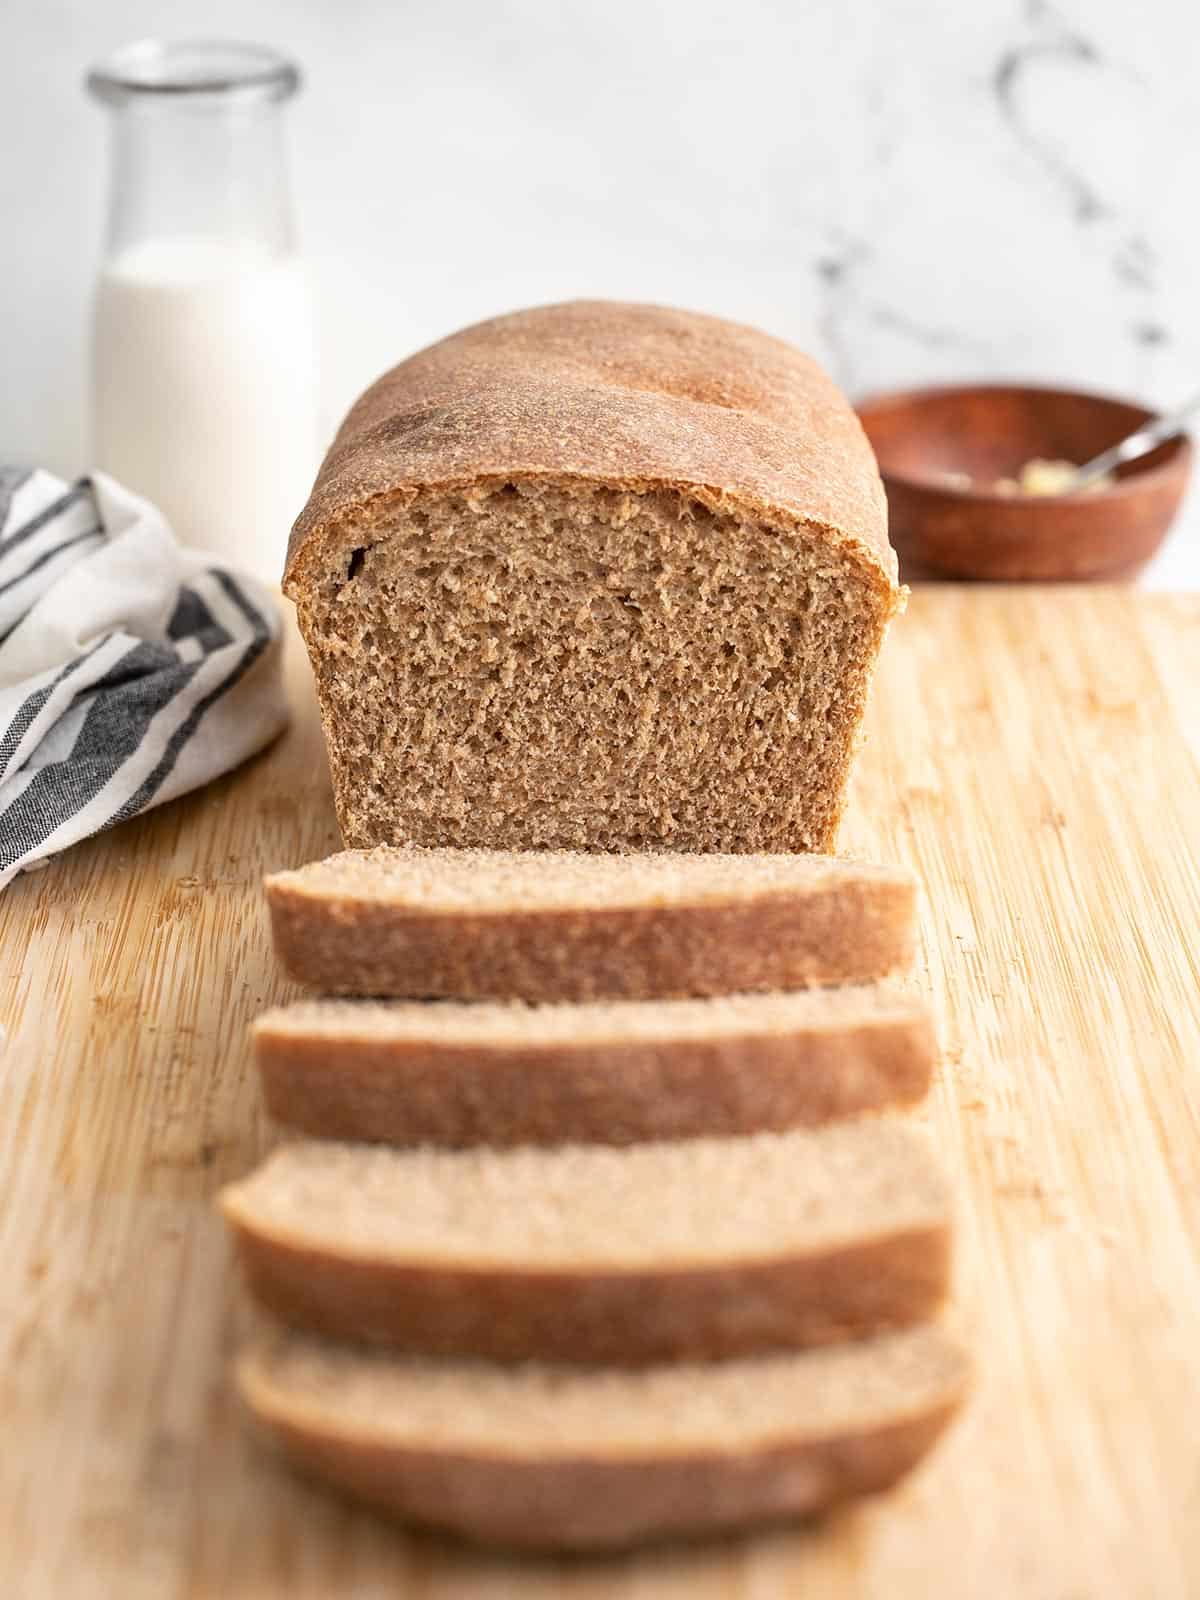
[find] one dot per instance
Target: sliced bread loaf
(587, 1253)
(596, 576)
(553, 1458)
(561, 925)
(612, 1072)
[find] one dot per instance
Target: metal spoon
(1139, 443)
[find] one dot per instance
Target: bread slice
(595, 576)
(551, 1458)
(613, 1072)
(586, 1253)
(561, 925)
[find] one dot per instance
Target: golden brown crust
(843, 931)
(590, 1317)
(568, 1502)
(632, 396)
(404, 1091)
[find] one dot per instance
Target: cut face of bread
(529, 664)
(556, 1458)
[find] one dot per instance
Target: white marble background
(913, 189)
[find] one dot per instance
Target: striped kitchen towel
(130, 670)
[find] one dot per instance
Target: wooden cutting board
(1033, 754)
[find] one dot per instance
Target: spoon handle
(1136, 444)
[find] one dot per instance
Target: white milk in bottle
(204, 386)
(203, 355)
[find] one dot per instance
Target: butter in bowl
(979, 481)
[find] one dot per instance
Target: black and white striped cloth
(130, 670)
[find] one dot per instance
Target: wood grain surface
(1034, 755)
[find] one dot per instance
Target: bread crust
(589, 1317)
(407, 1091)
(634, 397)
(572, 1502)
(844, 931)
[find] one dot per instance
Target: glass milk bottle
(204, 371)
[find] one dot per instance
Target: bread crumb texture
(581, 1208)
(534, 1411)
(483, 882)
(489, 1025)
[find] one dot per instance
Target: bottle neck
(212, 168)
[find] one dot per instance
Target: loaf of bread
(600, 577)
(546, 1458)
(568, 925)
(699, 1249)
(609, 1072)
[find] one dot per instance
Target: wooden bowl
(990, 431)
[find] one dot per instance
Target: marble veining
(1052, 40)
